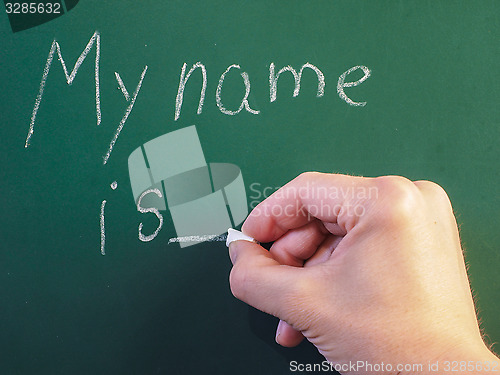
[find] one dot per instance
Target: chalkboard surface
(91, 283)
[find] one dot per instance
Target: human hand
(367, 269)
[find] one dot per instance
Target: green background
(152, 308)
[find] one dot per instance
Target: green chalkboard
(111, 106)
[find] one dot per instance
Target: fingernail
(232, 252)
(278, 332)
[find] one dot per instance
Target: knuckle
(436, 197)
(400, 198)
(435, 191)
(306, 176)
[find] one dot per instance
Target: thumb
(259, 280)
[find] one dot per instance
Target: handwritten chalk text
(343, 82)
(95, 40)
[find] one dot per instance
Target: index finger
(331, 198)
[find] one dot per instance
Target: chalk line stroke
(244, 102)
(341, 84)
(204, 238)
(122, 87)
(273, 80)
(127, 112)
(182, 84)
(153, 210)
(103, 229)
(96, 38)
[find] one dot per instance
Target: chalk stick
(236, 235)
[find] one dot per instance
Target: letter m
(69, 77)
(273, 80)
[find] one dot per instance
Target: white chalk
(127, 112)
(69, 78)
(103, 228)
(236, 235)
(204, 238)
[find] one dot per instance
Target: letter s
(154, 210)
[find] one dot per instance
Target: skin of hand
(367, 269)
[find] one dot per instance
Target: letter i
(113, 185)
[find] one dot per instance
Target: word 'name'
(95, 40)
